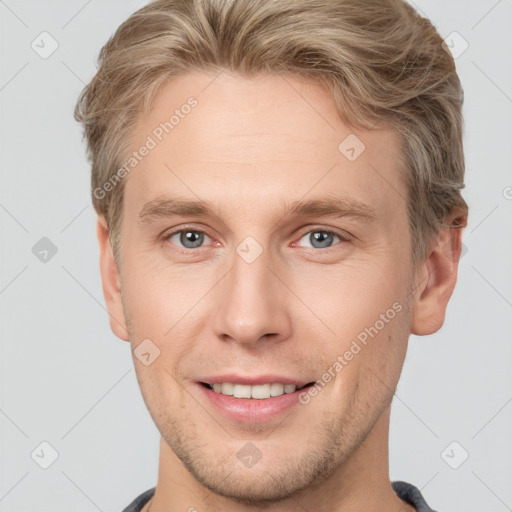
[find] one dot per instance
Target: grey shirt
(405, 491)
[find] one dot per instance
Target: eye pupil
(191, 239)
(323, 237)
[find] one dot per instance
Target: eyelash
(342, 239)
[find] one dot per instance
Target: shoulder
(137, 504)
(411, 495)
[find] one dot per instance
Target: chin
(264, 484)
(260, 489)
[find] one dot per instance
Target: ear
(111, 282)
(435, 281)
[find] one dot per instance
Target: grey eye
(188, 238)
(320, 239)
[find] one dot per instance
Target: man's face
(260, 290)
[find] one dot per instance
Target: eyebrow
(165, 207)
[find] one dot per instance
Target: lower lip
(251, 410)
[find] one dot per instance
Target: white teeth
(276, 389)
(289, 388)
(241, 391)
(227, 389)
(259, 391)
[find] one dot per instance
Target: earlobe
(436, 281)
(110, 278)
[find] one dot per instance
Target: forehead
(249, 142)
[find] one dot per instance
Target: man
(278, 194)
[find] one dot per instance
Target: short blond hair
(383, 63)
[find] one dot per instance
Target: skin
(252, 147)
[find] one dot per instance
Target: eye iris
(191, 239)
(323, 237)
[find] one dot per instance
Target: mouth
(257, 391)
(252, 400)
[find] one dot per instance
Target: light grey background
(67, 380)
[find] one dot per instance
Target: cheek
(156, 389)
(164, 306)
(346, 299)
(363, 330)
(157, 297)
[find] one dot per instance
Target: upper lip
(253, 380)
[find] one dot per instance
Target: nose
(253, 303)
